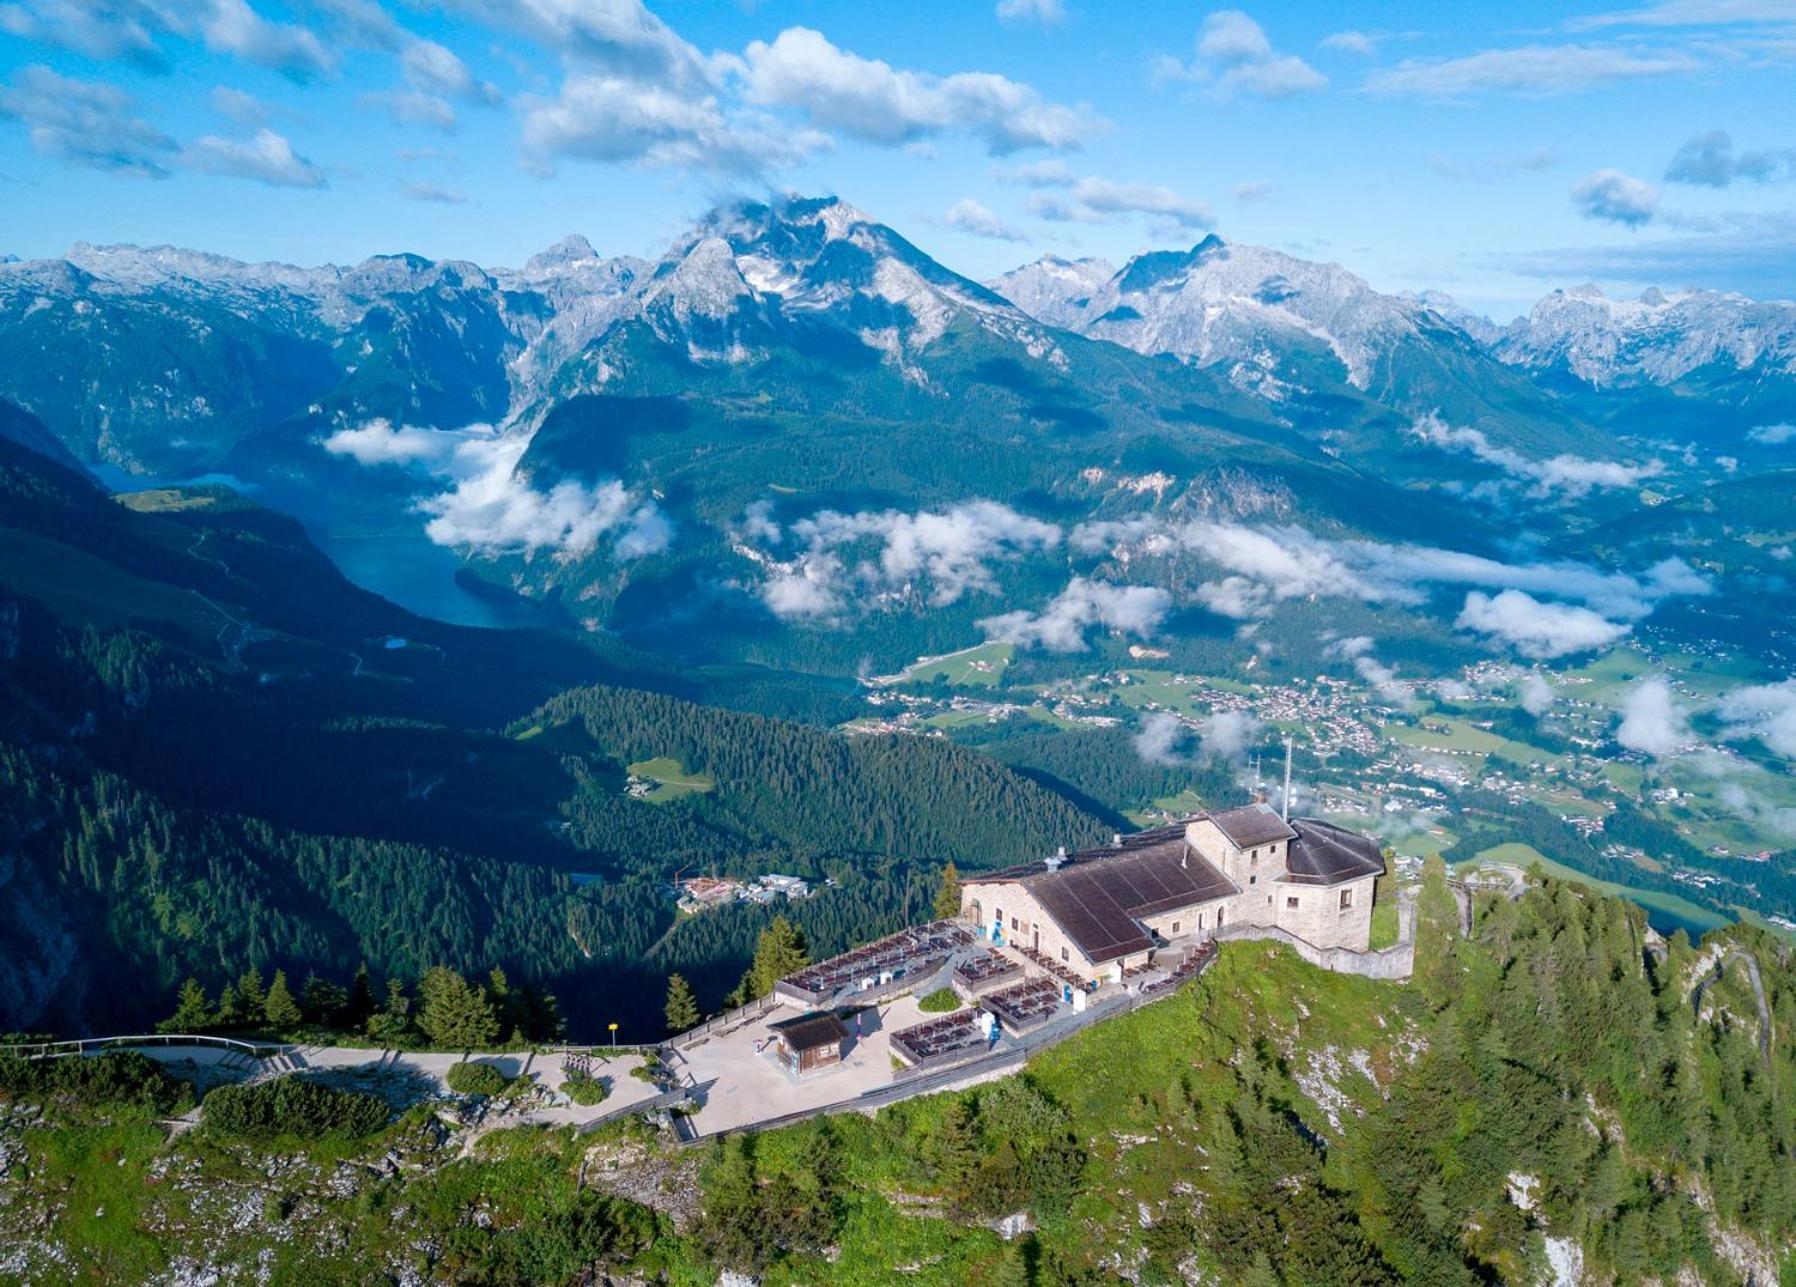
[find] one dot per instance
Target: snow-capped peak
(1053, 289)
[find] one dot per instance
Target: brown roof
(1324, 854)
(1252, 824)
(1098, 896)
(810, 1031)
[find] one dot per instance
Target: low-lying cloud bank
(844, 561)
(489, 508)
(1565, 474)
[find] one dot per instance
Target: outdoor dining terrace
(1054, 968)
(908, 954)
(984, 970)
(1024, 1006)
(942, 1040)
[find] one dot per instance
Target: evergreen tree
(455, 1014)
(360, 1006)
(279, 1008)
(682, 1005)
(192, 1012)
(781, 950)
(390, 1022)
(955, 1151)
(947, 898)
(323, 1002)
(250, 993)
(231, 1011)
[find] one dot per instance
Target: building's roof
(1098, 896)
(1324, 854)
(1252, 824)
(811, 1031)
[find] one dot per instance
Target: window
(1013, 923)
(1200, 920)
(1290, 901)
(1063, 955)
(1255, 857)
(1253, 880)
(1346, 899)
(1175, 927)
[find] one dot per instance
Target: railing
(57, 1049)
(728, 1019)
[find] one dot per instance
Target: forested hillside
(1555, 1098)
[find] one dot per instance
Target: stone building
(1105, 911)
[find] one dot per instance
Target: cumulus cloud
(1235, 57)
(267, 158)
(1615, 197)
(245, 109)
(1380, 677)
(1571, 475)
(1536, 694)
(1062, 625)
(878, 103)
(1764, 711)
(85, 123)
(1709, 160)
(1772, 435)
(1529, 70)
(970, 217)
(1537, 629)
(1352, 42)
(941, 555)
(488, 507)
(131, 30)
(1652, 721)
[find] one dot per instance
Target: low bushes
(292, 1106)
(940, 1001)
(584, 1089)
(470, 1078)
(118, 1077)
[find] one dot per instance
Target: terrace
(984, 970)
(1024, 1006)
(1054, 968)
(906, 955)
(942, 1041)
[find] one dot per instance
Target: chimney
(1053, 864)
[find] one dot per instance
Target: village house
(1105, 912)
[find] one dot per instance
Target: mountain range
(601, 433)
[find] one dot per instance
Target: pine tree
(947, 898)
(455, 1014)
(360, 1006)
(250, 993)
(682, 1005)
(230, 1007)
(955, 1149)
(390, 1022)
(279, 1008)
(780, 951)
(192, 1012)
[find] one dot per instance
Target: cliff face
(39, 963)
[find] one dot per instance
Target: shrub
(118, 1077)
(584, 1089)
(470, 1078)
(940, 1001)
(291, 1106)
(649, 1070)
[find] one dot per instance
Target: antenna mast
(1285, 803)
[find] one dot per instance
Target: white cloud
(130, 30)
(1047, 12)
(1537, 629)
(1652, 721)
(267, 158)
(1573, 475)
(1062, 625)
(1352, 42)
(873, 101)
(1235, 57)
(1691, 13)
(433, 192)
(1764, 711)
(1536, 694)
(971, 217)
(99, 30)
(85, 123)
(1252, 190)
(232, 27)
(943, 555)
(488, 507)
(245, 109)
(1095, 200)
(1530, 70)
(1380, 677)
(1224, 737)
(1773, 435)
(1616, 197)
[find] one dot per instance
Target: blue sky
(1492, 152)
